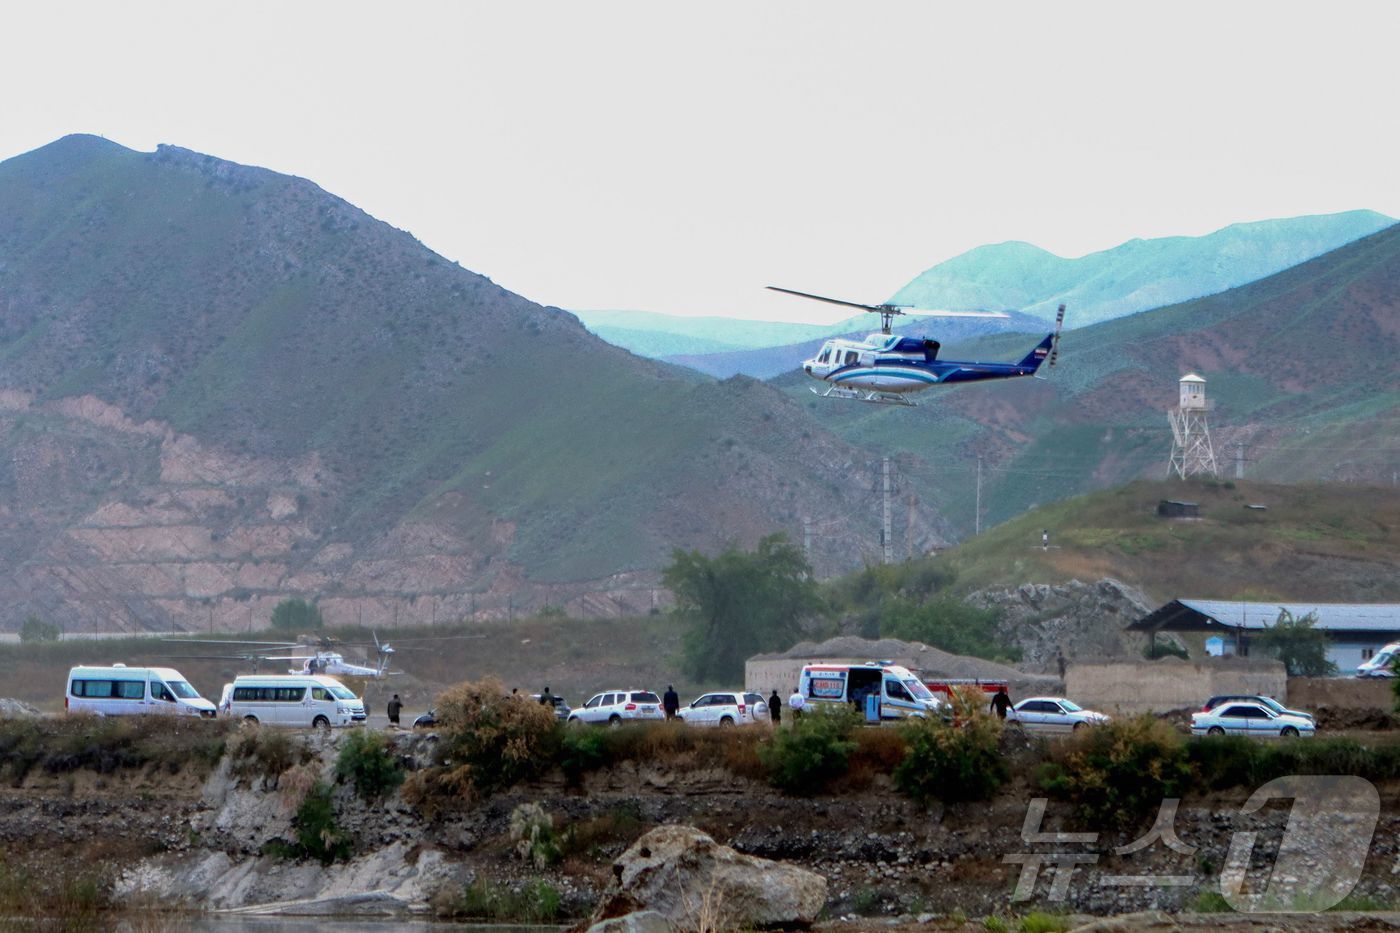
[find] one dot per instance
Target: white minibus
(293, 700)
(119, 690)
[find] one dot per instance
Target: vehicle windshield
(182, 689)
(1272, 704)
(919, 690)
(342, 693)
(1072, 706)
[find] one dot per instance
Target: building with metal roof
(1356, 630)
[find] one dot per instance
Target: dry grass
(74, 743)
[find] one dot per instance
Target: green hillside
(270, 319)
(1312, 542)
(1304, 368)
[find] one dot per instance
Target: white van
(1378, 665)
(293, 700)
(119, 690)
(900, 693)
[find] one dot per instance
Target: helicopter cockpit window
(826, 352)
(851, 357)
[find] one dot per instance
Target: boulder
(698, 884)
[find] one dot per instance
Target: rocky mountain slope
(1135, 276)
(221, 386)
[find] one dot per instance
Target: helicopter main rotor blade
(920, 312)
(235, 642)
(878, 309)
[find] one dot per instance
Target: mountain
(654, 335)
(221, 386)
(1303, 367)
(1136, 276)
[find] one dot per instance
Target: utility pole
(977, 520)
(886, 545)
(1239, 460)
(909, 531)
(807, 539)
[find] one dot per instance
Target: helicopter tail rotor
(1055, 344)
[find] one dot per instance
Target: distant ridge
(1135, 276)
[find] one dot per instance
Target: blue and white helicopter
(884, 368)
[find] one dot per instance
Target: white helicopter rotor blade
(922, 312)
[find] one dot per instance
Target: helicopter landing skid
(863, 395)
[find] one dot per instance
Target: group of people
(671, 704)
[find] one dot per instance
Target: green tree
(739, 603)
(1298, 643)
(35, 629)
(948, 623)
(296, 615)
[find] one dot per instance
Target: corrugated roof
(1351, 617)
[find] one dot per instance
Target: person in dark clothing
(395, 707)
(670, 702)
(775, 708)
(546, 698)
(1001, 702)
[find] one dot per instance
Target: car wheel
(727, 721)
(250, 720)
(1288, 732)
(1215, 730)
(320, 722)
(574, 721)
(1078, 726)
(614, 720)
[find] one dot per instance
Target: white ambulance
(898, 693)
(119, 690)
(292, 700)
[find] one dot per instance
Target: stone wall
(1170, 683)
(1312, 693)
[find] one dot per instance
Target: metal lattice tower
(1192, 453)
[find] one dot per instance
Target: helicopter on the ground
(883, 368)
(317, 656)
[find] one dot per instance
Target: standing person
(1001, 703)
(775, 708)
(546, 698)
(797, 703)
(1045, 540)
(670, 702)
(395, 707)
(1060, 663)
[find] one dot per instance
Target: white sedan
(1253, 719)
(1052, 714)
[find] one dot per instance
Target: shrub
(532, 831)
(1299, 644)
(489, 741)
(952, 762)
(1164, 649)
(266, 753)
(537, 902)
(814, 752)
(1118, 772)
(35, 629)
(296, 615)
(368, 761)
(948, 623)
(318, 834)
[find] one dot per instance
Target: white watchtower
(1192, 453)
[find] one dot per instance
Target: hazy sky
(678, 157)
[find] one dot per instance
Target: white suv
(616, 707)
(726, 709)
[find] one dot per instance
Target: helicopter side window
(851, 357)
(825, 355)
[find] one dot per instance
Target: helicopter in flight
(884, 368)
